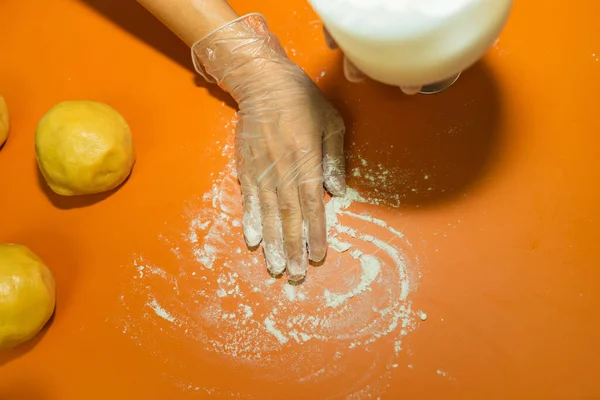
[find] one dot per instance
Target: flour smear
(213, 298)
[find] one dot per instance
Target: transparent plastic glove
(353, 74)
(289, 143)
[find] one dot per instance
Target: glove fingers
(352, 73)
(293, 238)
(251, 220)
(411, 90)
(313, 211)
(329, 41)
(333, 153)
(272, 232)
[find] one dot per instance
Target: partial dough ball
(84, 147)
(27, 295)
(4, 121)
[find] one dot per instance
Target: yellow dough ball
(4, 121)
(26, 295)
(84, 147)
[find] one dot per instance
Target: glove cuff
(239, 42)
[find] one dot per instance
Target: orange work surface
(480, 208)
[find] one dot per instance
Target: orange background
(505, 247)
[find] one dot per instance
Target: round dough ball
(26, 295)
(4, 121)
(84, 147)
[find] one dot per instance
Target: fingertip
(275, 258)
(317, 253)
(252, 227)
(274, 269)
(316, 238)
(336, 185)
(297, 277)
(352, 73)
(329, 42)
(252, 221)
(334, 177)
(297, 269)
(411, 90)
(252, 236)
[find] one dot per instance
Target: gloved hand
(289, 142)
(352, 73)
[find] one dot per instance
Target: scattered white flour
(161, 312)
(422, 315)
(290, 292)
(338, 245)
(445, 375)
(248, 312)
(213, 296)
(379, 184)
(371, 269)
(270, 327)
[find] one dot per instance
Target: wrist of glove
(232, 55)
